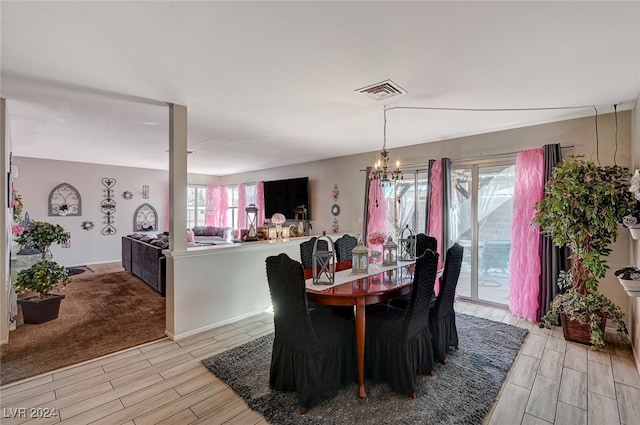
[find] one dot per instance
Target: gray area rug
(460, 393)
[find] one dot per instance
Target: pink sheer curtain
(242, 205)
(217, 206)
(377, 210)
(260, 203)
(435, 206)
(524, 259)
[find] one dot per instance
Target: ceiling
(270, 84)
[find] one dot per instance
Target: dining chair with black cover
(442, 320)
(344, 246)
(306, 251)
(424, 242)
(313, 350)
(398, 341)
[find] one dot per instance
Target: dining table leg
(360, 338)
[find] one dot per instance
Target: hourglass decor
(252, 215)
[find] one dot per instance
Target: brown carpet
(101, 313)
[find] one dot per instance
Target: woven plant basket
(577, 332)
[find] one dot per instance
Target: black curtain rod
(425, 164)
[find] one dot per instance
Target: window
(406, 203)
(196, 205)
(232, 212)
(480, 220)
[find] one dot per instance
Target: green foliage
(43, 277)
(580, 209)
(586, 309)
(42, 235)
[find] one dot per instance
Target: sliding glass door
(480, 220)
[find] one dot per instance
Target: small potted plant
(43, 277)
(42, 235)
(629, 278)
(580, 209)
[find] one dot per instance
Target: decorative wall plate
(335, 209)
(87, 225)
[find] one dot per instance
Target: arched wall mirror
(65, 201)
(145, 219)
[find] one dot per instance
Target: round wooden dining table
(360, 291)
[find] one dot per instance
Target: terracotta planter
(39, 311)
(577, 332)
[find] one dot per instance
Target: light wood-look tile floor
(163, 382)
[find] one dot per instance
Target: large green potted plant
(43, 277)
(580, 209)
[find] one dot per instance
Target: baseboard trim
(179, 336)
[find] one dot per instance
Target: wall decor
(335, 208)
(65, 201)
(127, 194)
(108, 206)
(145, 191)
(87, 225)
(145, 219)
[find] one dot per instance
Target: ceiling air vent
(382, 91)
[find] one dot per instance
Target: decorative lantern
(360, 259)
(252, 215)
(407, 244)
(323, 262)
(300, 221)
(390, 253)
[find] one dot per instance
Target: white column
(178, 177)
(178, 203)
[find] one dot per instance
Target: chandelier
(381, 171)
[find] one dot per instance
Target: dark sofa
(142, 257)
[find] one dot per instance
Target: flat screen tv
(283, 196)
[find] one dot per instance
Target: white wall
(344, 171)
(38, 177)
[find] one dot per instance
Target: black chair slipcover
(442, 320)
(306, 251)
(398, 341)
(344, 246)
(423, 242)
(313, 351)
(306, 257)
